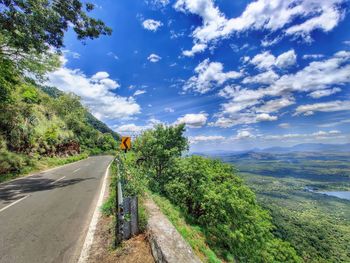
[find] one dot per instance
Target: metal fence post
(119, 217)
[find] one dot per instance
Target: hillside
(42, 122)
(91, 119)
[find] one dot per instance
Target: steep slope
(39, 122)
(91, 119)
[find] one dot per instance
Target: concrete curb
(167, 245)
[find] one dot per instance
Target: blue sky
(240, 74)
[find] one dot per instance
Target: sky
(239, 74)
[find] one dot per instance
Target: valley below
(307, 194)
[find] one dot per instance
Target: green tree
(159, 147)
(28, 25)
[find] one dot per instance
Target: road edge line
(13, 203)
(43, 171)
(84, 255)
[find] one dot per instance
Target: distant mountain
(304, 147)
(309, 147)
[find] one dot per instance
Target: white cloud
(95, 93)
(318, 75)
(244, 134)
(284, 125)
(324, 93)
(266, 60)
(263, 15)
(110, 83)
(205, 139)
(111, 54)
(267, 77)
(154, 58)
(197, 48)
(151, 25)
(229, 91)
(333, 124)
(168, 109)
(244, 104)
(265, 117)
(193, 120)
(132, 128)
(276, 104)
(100, 75)
(319, 135)
(330, 106)
(313, 56)
(286, 59)
(129, 128)
(158, 3)
(347, 42)
(209, 74)
(139, 92)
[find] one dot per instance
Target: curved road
(45, 217)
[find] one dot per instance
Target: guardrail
(126, 223)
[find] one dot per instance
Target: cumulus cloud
(154, 58)
(317, 79)
(193, 120)
(265, 117)
(197, 48)
(324, 93)
(95, 92)
(266, 60)
(330, 106)
(100, 75)
(204, 139)
(276, 104)
(209, 74)
(286, 59)
(244, 134)
(263, 15)
(151, 25)
(132, 128)
(267, 77)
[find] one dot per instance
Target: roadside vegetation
(204, 198)
(40, 126)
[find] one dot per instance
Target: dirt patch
(134, 250)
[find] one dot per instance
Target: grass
(41, 165)
(193, 234)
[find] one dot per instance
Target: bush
(215, 198)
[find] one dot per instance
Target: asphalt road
(45, 217)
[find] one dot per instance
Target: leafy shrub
(214, 197)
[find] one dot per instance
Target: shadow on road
(17, 189)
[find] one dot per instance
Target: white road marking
(84, 255)
(76, 170)
(45, 171)
(19, 200)
(58, 180)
